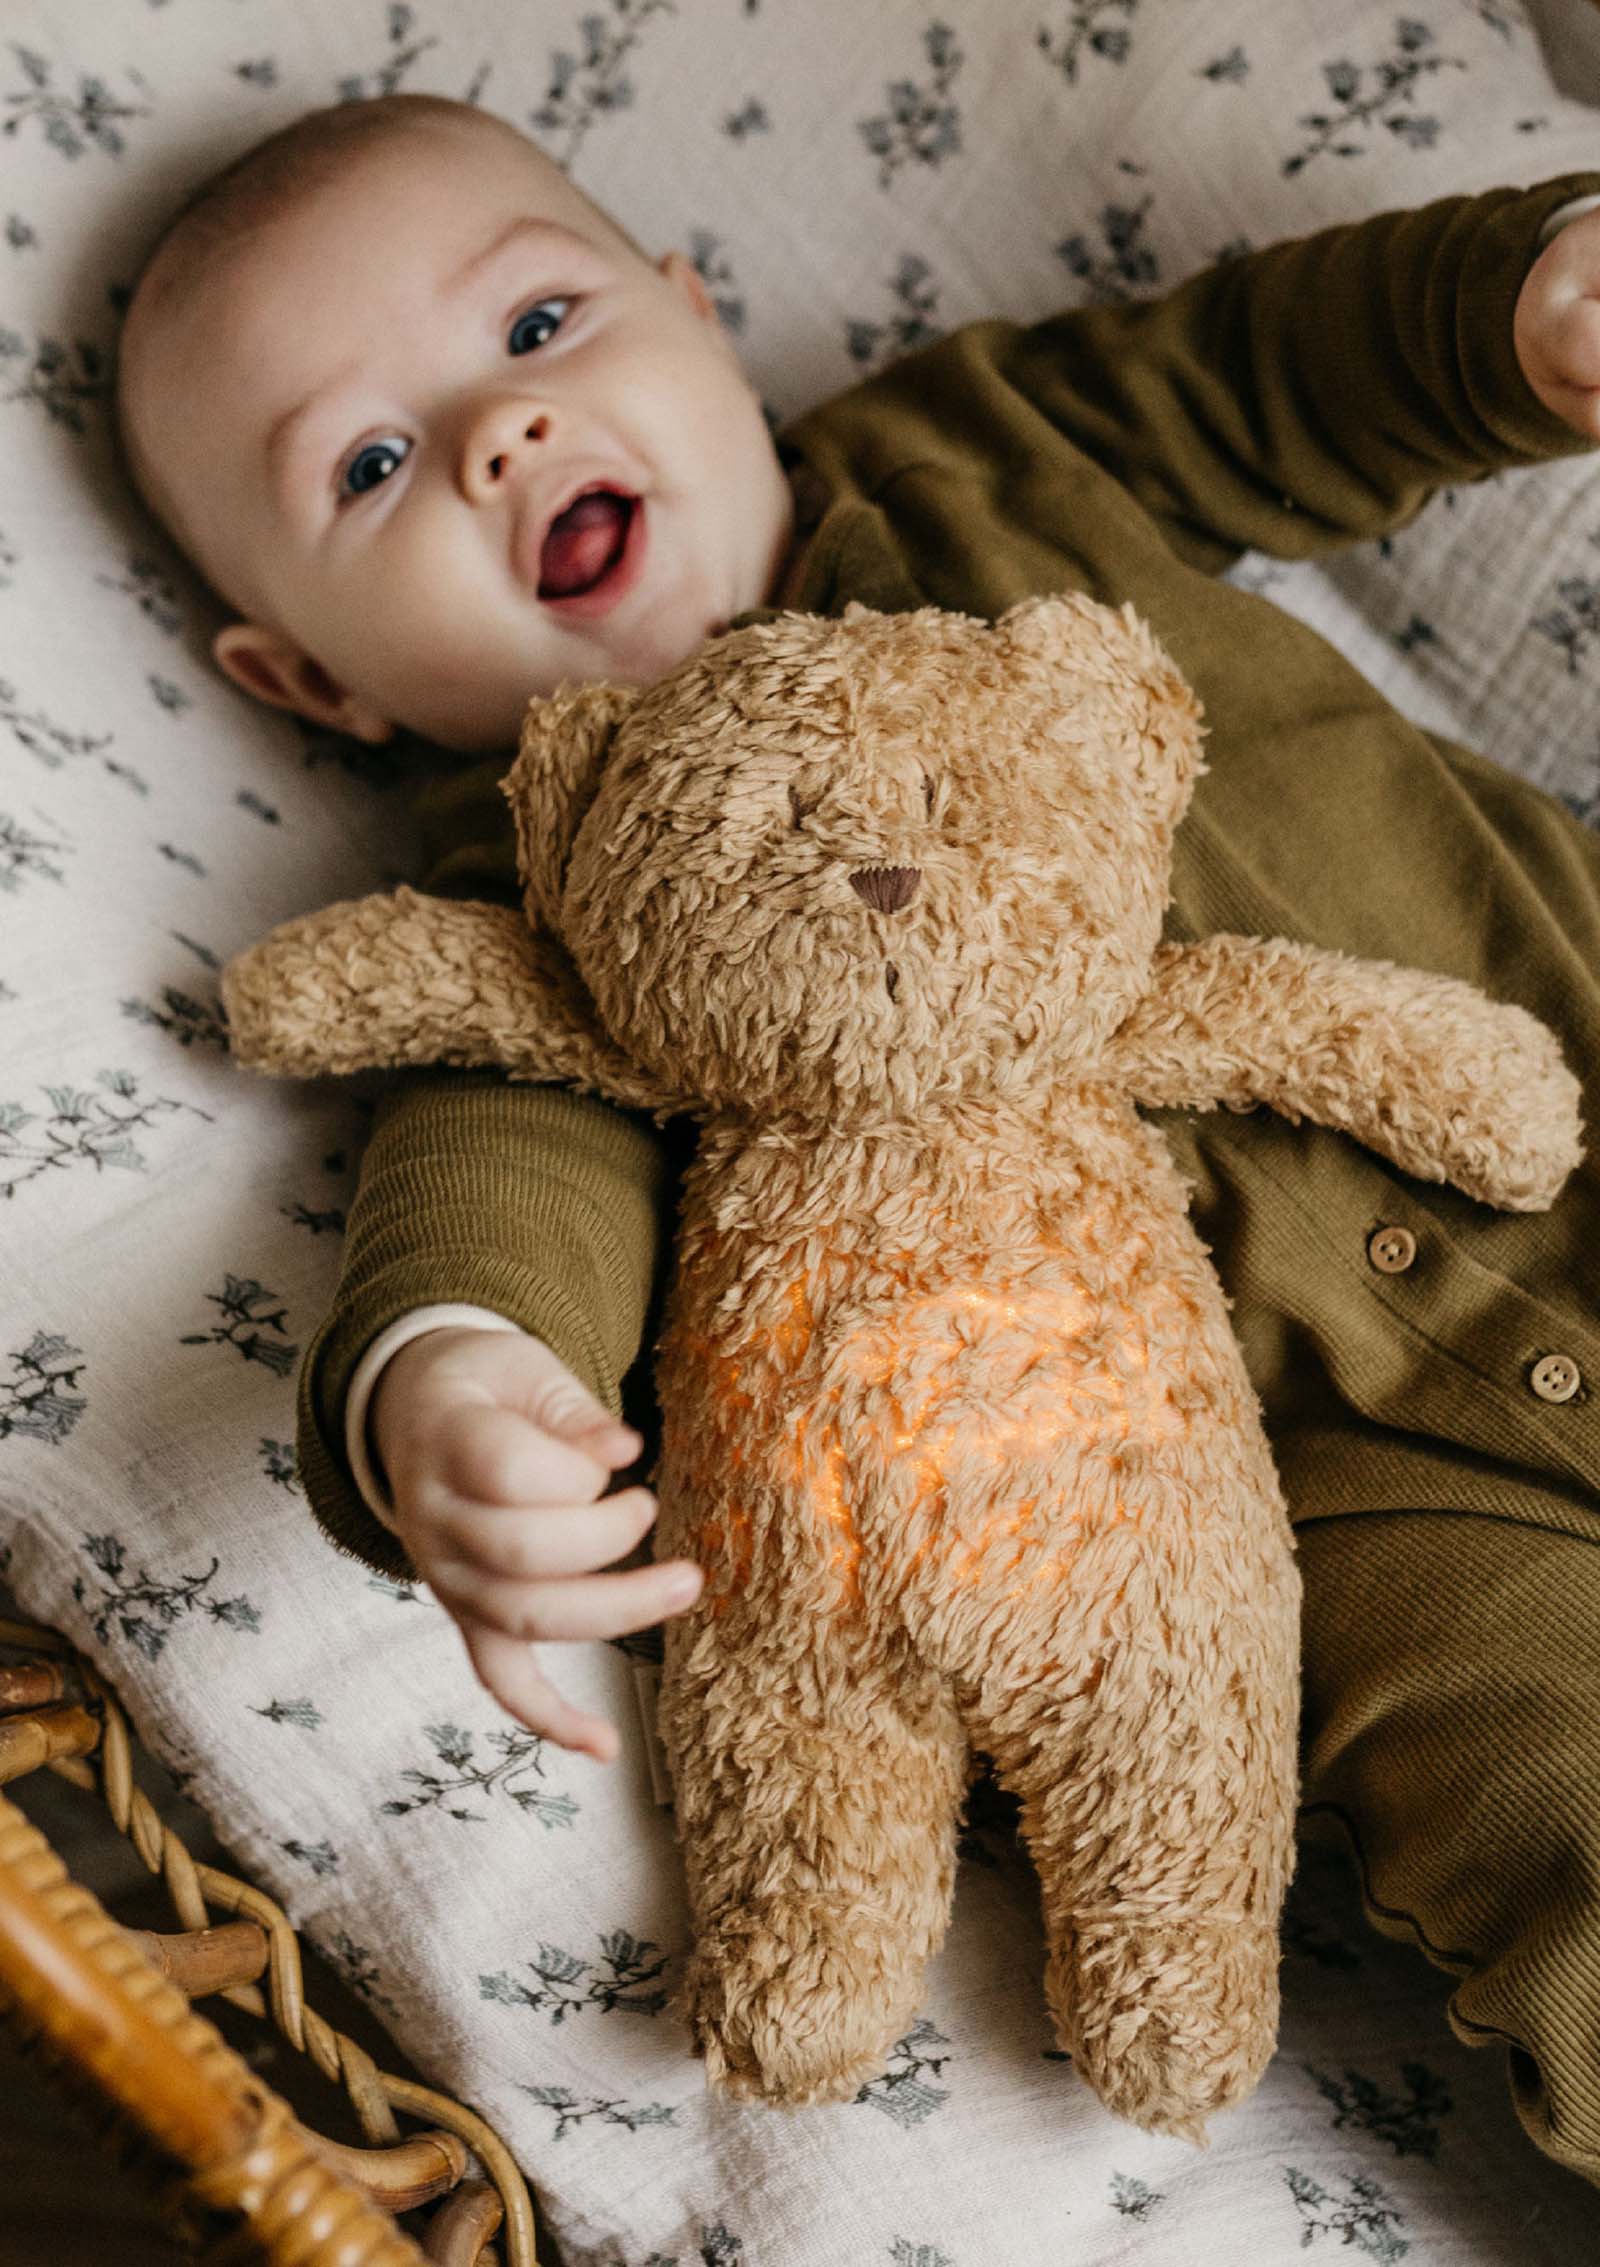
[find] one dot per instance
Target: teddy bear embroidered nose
(886, 888)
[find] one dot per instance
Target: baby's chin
(642, 643)
(644, 660)
(661, 631)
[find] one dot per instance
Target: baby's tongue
(582, 542)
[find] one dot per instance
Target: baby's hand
(1556, 326)
(496, 1457)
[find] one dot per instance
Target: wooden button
(1391, 1250)
(1555, 1377)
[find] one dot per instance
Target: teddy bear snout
(886, 888)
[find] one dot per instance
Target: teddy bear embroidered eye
(952, 1414)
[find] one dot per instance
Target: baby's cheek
(446, 653)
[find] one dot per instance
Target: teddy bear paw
(798, 2002)
(1168, 2020)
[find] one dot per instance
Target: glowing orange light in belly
(1090, 1382)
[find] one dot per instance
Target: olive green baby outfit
(1429, 1370)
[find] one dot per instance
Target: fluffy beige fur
(953, 1415)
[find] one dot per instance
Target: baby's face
(446, 439)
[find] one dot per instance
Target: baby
(442, 436)
(461, 440)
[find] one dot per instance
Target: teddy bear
(953, 1417)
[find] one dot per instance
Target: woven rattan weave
(106, 2011)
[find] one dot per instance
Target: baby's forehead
(406, 203)
(378, 225)
(411, 203)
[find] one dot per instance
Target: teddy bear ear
(566, 742)
(1112, 650)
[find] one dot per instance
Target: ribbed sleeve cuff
(1509, 232)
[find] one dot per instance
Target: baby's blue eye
(373, 463)
(536, 324)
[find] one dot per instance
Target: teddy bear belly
(967, 1437)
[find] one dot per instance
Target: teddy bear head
(856, 868)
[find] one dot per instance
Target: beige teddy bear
(953, 1416)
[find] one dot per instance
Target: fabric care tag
(647, 1685)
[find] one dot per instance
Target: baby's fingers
(1556, 327)
(526, 1375)
(508, 1670)
(592, 1605)
(1570, 338)
(526, 1544)
(495, 1456)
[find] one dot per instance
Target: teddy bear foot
(796, 2003)
(1168, 2020)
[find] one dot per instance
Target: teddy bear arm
(1425, 1069)
(380, 982)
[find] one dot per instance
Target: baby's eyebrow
(514, 232)
(551, 233)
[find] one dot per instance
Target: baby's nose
(886, 888)
(497, 438)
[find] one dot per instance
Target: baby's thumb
(565, 1407)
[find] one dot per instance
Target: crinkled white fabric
(850, 179)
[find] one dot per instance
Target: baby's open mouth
(584, 544)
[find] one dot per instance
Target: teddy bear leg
(1156, 1766)
(817, 1798)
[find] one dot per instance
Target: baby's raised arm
(1316, 391)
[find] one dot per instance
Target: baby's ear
(1147, 702)
(566, 741)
